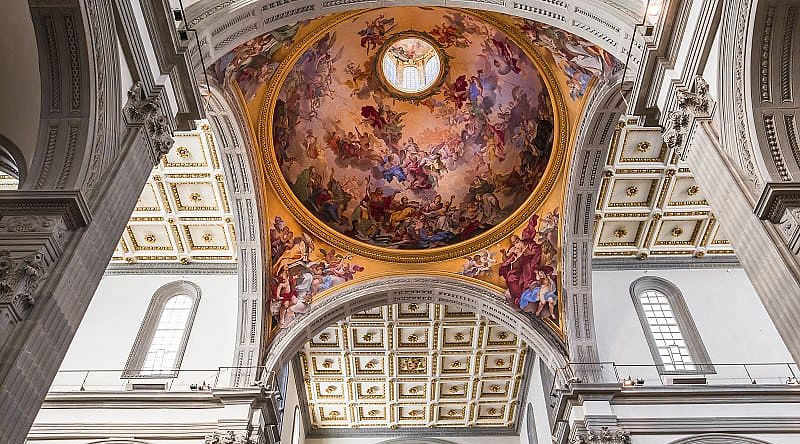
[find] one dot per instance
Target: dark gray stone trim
(165, 268)
(70, 205)
(682, 316)
(775, 199)
(149, 324)
(664, 263)
(712, 424)
(701, 394)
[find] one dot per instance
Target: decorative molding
(141, 110)
(480, 298)
(776, 198)
(229, 437)
(19, 278)
(692, 104)
(603, 435)
(664, 263)
(144, 268)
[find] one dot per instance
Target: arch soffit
(770, 96)
(224, 25)
(416, 441)
(719, 438)
(421, 288)
(593, 139)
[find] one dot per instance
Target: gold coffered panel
(410, 366)
(650, 205)
(8, 182)
(183, 215)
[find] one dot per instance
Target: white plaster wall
(292, 400)
(538, 398)
(107, 332)
(728, 314)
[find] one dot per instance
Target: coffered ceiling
(183, 215)
(8, 182)
(650, 205)
(412, 366)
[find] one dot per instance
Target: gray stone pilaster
(52, 257)
(762, 250)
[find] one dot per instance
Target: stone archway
(415, 287)
(719, 438)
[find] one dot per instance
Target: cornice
(140, 268)
(665, 263)
(69, 205)
(153, 399)
(775, 199)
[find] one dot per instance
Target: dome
(411, 131)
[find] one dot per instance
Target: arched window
(411, 80)
(673, 338)
(159, 346)
(530, 422)
(296, 421)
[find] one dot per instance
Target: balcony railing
(648, 375)
(183, 381)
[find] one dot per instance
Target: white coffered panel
(413, 365)
(183, 215)
(650, 205)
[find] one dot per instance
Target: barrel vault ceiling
(411, 366)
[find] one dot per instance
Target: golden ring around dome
(269, 163)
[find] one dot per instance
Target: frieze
(604, 435)
(228, 437)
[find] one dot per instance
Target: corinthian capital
(602, 436)
(144, 111)
(691, 104)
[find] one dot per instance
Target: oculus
(411, 65)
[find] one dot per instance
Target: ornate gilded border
(414, 97)
(268, 161)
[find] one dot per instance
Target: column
(53, 252)
(761, 248)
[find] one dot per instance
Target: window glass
(166, 342)
(672, 348)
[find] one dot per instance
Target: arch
(417, 441)
(433, 288)
(530, 422)
(120, 441)
(80, 100)
(685, 323)
(222, 26)
(719, 438)
(594, 136)
(228, 125)
(166, 293)
(12, 161)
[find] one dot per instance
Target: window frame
(147, 330)
(683, 318)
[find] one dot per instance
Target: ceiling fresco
(412, 174)
(458, 170)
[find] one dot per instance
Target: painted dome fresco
(409, 129)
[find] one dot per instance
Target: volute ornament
(602, 436)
